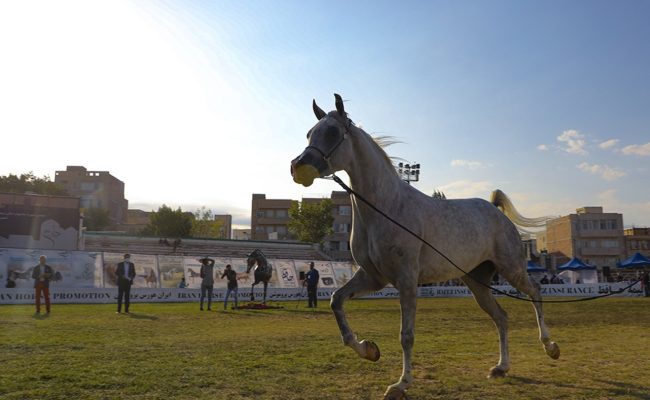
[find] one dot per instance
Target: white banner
(146, 295)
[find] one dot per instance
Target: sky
(203, 103)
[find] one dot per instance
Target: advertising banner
(146, 270)
(150, 295)
(286, 272)
(171, 270)
(342, 272)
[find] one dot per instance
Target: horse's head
(251, 261)
(328, 150)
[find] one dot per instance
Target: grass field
(174, 351)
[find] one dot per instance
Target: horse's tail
(503, 203)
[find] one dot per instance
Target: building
(241, 234)
(96, 189)
(637, 240)
(34, 221)
(270, 219)
(590, 234)
(337, 245)
(225, 228)
(136, 221)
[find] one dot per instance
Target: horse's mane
(380, 142)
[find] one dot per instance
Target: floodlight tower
(408, 172)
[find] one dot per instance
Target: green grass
(164, 351)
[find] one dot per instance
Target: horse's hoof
(553, 350)
(372, 350)
(496, 372)
(394, 393)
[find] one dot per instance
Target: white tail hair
(502, 202)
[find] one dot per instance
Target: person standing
(207, 283)
(125, 274)
(646, 283)
(232, 285)
(42, 274)
(311, 280)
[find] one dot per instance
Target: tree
(310, 221)
(30, 183)
(439, 195)
(205, 226)
(169, 223)
(96, 219)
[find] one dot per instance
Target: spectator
(182, 284)
(232, 285)
(544, 280)
(646, 283)
(311, 280)
(207, 283)
(125, 273)
(10, 283)
(42, 274)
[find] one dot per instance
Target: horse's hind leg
(478, 281)
(522, 282)
(360, 285)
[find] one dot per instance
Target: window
(269, 228)
(345, 210)
(281, 229)
(259, 214)
(89, 186)
(334, 246)
(280, 213)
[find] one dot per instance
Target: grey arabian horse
(478, 236)
(263, 271)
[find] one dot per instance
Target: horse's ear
(317, 110)
(339, 105)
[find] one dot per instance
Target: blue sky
(204, 103)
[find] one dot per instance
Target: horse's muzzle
(307, 167)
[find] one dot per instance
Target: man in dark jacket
(42, 274)
(125, 274)
(311, 280)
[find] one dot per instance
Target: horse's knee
(407, 338)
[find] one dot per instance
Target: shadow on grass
(625, 388)
(620, 388)
(41, 316)
(143, 316)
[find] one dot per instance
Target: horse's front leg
(266, 284)
(408, 305)
(253, 290)
(360, 285)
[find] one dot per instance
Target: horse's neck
(373, 177)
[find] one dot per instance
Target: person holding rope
(311, 280)
(232, 285)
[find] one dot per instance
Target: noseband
(326, 156)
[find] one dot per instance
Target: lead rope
(358, 196)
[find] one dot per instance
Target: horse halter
(324, 162)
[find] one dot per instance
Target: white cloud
(467, 164)
(606, 172)
(608, 143)
(638, 149)
(542, 147)
(574, 141)
(466, 189)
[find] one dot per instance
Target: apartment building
(590, 234)
(96, 189)
(225, 228)
(270, 219)
(637, 240)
